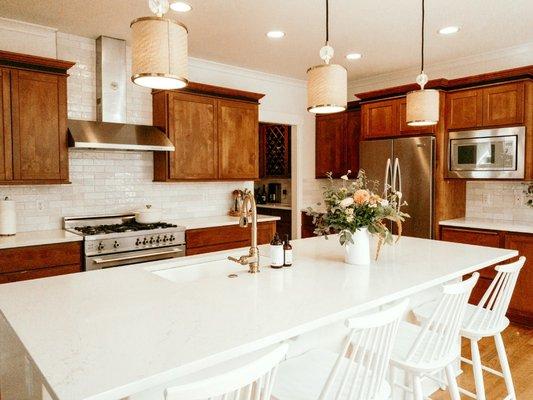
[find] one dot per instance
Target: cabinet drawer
(36, 257)
(471, 236)
(226, 237)
(39, 273)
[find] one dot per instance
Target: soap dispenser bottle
(276, 252)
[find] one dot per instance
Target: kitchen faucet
(248, 207)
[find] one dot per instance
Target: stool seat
(469, 328)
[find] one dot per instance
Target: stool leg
(452, 383)
(502, 355)
(478, 372)
(391, 381)
(417, 388)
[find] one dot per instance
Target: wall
(501, 200)
(104, 182)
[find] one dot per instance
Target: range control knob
(145, 241)
(152, 240)
(172, 238)
(158, 239)
(137, 242)
(165, 239)
(100, 246)
(116, 245)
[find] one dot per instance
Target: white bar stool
(487, 319)
(249, 381)
(357, 373)
(422, 351)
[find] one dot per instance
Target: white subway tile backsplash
(106, 182)
(502, 200)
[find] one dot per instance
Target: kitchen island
(108, 334)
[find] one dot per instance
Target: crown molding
(510, 57)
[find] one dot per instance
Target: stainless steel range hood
(111, 131)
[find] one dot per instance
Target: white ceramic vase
(358, 252)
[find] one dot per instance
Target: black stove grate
(129, 226)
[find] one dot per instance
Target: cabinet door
(503, 104)
(521, 306)
(380, 119)
(39, 117)
(407, 129)
(351, 141)
(238, 139)
(330, 153)
(6, 166)
(464, 109)
(193, 131)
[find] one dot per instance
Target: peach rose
(361, 196)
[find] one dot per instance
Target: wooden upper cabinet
(380, 119)
(238, 133)
(39, 116)
(33, 119)
(464, 109)
(503, 104)
(6, 164)
(214, 131)
(337, 143)
(330, 153)
(193, 131)
(351, 140)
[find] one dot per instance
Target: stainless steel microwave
(487, 153)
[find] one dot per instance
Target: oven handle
(161, 253)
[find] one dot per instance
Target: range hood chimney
(111, 131)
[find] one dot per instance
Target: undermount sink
(206, 270)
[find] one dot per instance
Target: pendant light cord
(327, 21)
(423, 22)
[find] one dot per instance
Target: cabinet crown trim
(506, 75)
(218, 91)
(25, 61)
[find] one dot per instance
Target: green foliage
(353, 204)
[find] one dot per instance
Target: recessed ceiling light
(180, 6)
(449, 30)
(354, 56)
(275, 34)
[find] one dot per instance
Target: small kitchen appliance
(117, 240)
(8, 217)
(487, 153)
(274, 192)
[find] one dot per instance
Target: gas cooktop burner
(129, 226)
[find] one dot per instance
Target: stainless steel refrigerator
(406, 165)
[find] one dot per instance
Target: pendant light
(422, 105)
(159, 50)
(327, 84)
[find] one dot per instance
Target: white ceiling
(387, 32)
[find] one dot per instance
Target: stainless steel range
(116, 240)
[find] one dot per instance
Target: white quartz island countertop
(491, 224)
(104, 335)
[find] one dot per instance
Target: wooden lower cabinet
(23, 263)
(206, 240)
(284, 224)
(521, 308)
(307, 226)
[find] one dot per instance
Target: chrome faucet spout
(249, 211)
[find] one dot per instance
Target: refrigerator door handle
(397, 176)
(394, 176)
(388, 173)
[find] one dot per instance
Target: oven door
(133, 257)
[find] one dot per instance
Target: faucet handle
(241, 260)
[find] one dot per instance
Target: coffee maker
(274, 192)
